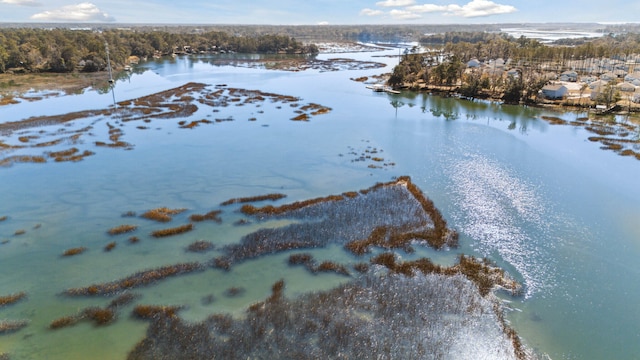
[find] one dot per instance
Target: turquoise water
(551, 207)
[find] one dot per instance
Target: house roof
(553, 87)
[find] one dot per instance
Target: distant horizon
(318, 12)
(114, 24)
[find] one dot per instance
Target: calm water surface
(542, 201)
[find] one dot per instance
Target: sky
(320, 12)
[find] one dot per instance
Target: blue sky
(311, 12)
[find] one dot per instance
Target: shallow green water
(556, 211)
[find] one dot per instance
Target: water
(552, 208)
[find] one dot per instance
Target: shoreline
(15, 86)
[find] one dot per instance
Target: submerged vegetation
(395, 316)
(178, 103)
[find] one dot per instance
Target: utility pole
(106, 47)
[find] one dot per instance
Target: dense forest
(497, 45)
(66, 50)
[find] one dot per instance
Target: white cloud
(427, 8)
(323, 23)
(475, 8)
(395, 3)
(403, 14)
(82, 12)
(21, 2)
(371, 12)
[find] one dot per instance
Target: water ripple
(503, 214)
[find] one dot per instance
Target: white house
(632, 76)
(626, 87)
(598, 84)
(554, 91)
(473, 63)
(608, 76)
(514, 73)
(569, 75)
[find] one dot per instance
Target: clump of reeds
(100, 316)
(122, 229)
(249, 209)
(330, 266)
(162, 214)
(154, 311)
(482, 273)
(63, 322)
(20, 232)
(309, 263)
(272, 197)
(213, 215)
(172, 231)
(234, 291)
(554, 120)
(11, 326)
(221, 263)
(134, 240)
(136, 280)
(200, 246)
(110, 246)
(3, 218)
(12, 298)
(74, 251)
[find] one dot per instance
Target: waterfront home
(554, 91)
(588, 79)
(608, 76)
(632, 76)
(514, 73)
(569, 75)
(598, 84)
(626, 87)
(473, 63)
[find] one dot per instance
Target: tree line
(66, 50)
(485, 46)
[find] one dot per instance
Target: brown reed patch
(213, 215)
(75, 158)
(19, 232)
(3, 218)
(74, 251)
(110, 246)
(11, 326)
(249, 209)
(172, 231)
(153, 311)
(122, 229)
(138, 279)
(301, 117)
(133, 240)
(481, 272)
(272, 197)
(10, 160)
(162, 214)
(200, 246)
(553, 120)
(65, 321)
(100, 316)
(12, 298)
